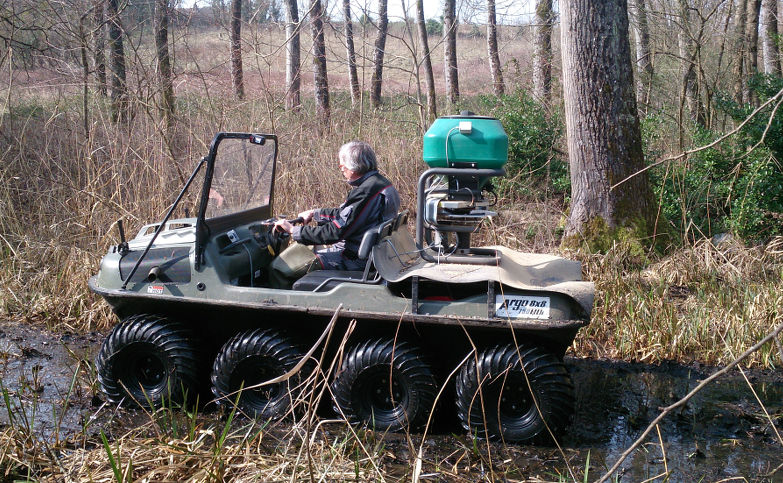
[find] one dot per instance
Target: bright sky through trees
(472, 11)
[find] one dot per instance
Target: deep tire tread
(276, 350)
(171, 340)
(411, 372)
(548, 378)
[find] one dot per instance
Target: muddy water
(721, 433)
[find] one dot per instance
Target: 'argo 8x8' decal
(522, 307)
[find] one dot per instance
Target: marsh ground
(722, 433)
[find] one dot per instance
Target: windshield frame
(204, 226)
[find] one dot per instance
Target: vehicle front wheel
(249, 359)
(514, 395)
(388, 386)
(147, 360)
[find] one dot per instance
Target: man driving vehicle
(371, 201)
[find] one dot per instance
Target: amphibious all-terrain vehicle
(488, 325)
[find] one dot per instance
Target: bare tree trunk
(353, 77)
(780, 28)
(450, 50)
(604, 137)
(85, 76)
(542, 55)
(119, 87)
(738, 71)
(643, 61)
(292, 57)
(492, 49)
(689, 92)
(770, 29)
(432, 111)
(319, 59)
(754, 11)
(725, 37)
(164, 65)
(380, 48)
(236, 49)
(100, 41)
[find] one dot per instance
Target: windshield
(242, 178)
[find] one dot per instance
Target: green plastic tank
(466, 138)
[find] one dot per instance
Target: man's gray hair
(358, 157)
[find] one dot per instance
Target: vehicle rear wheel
(249, 359)
(388, 386)
(495, 398)
(147, 360)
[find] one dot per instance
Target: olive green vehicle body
(190, 276)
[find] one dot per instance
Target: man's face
(349, 175)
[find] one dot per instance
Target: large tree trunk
(492, 49)
(432, 112)
(100, 41)
(319, 61)
(292, 57)
(542, 55)
(604, 137)
(353, 77)
(770, 30)
(644, 67)
(236, 49)
(119, 86)
(450, 50)
(164, 65)
(738, 70)
(380, 49)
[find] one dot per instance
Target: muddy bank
(723, 432)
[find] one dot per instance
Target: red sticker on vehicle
(155, 289)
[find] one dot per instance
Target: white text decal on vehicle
(522, 307)
(155, 289)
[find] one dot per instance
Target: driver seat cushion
(312, 280)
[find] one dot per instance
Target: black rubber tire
(250, 358)
(509, 412)
(148, 360)
(362, 389)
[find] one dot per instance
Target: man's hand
(283, 225)
(307, 216)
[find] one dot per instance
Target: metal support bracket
(415, 294)
(490, 299)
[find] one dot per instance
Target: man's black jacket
(372, 201)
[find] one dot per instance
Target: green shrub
(533, 134)
(434, 28)
(757, 201)
(694, 192)
(736, 186)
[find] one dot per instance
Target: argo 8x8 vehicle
(489, 324)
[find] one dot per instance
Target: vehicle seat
(324, 280)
